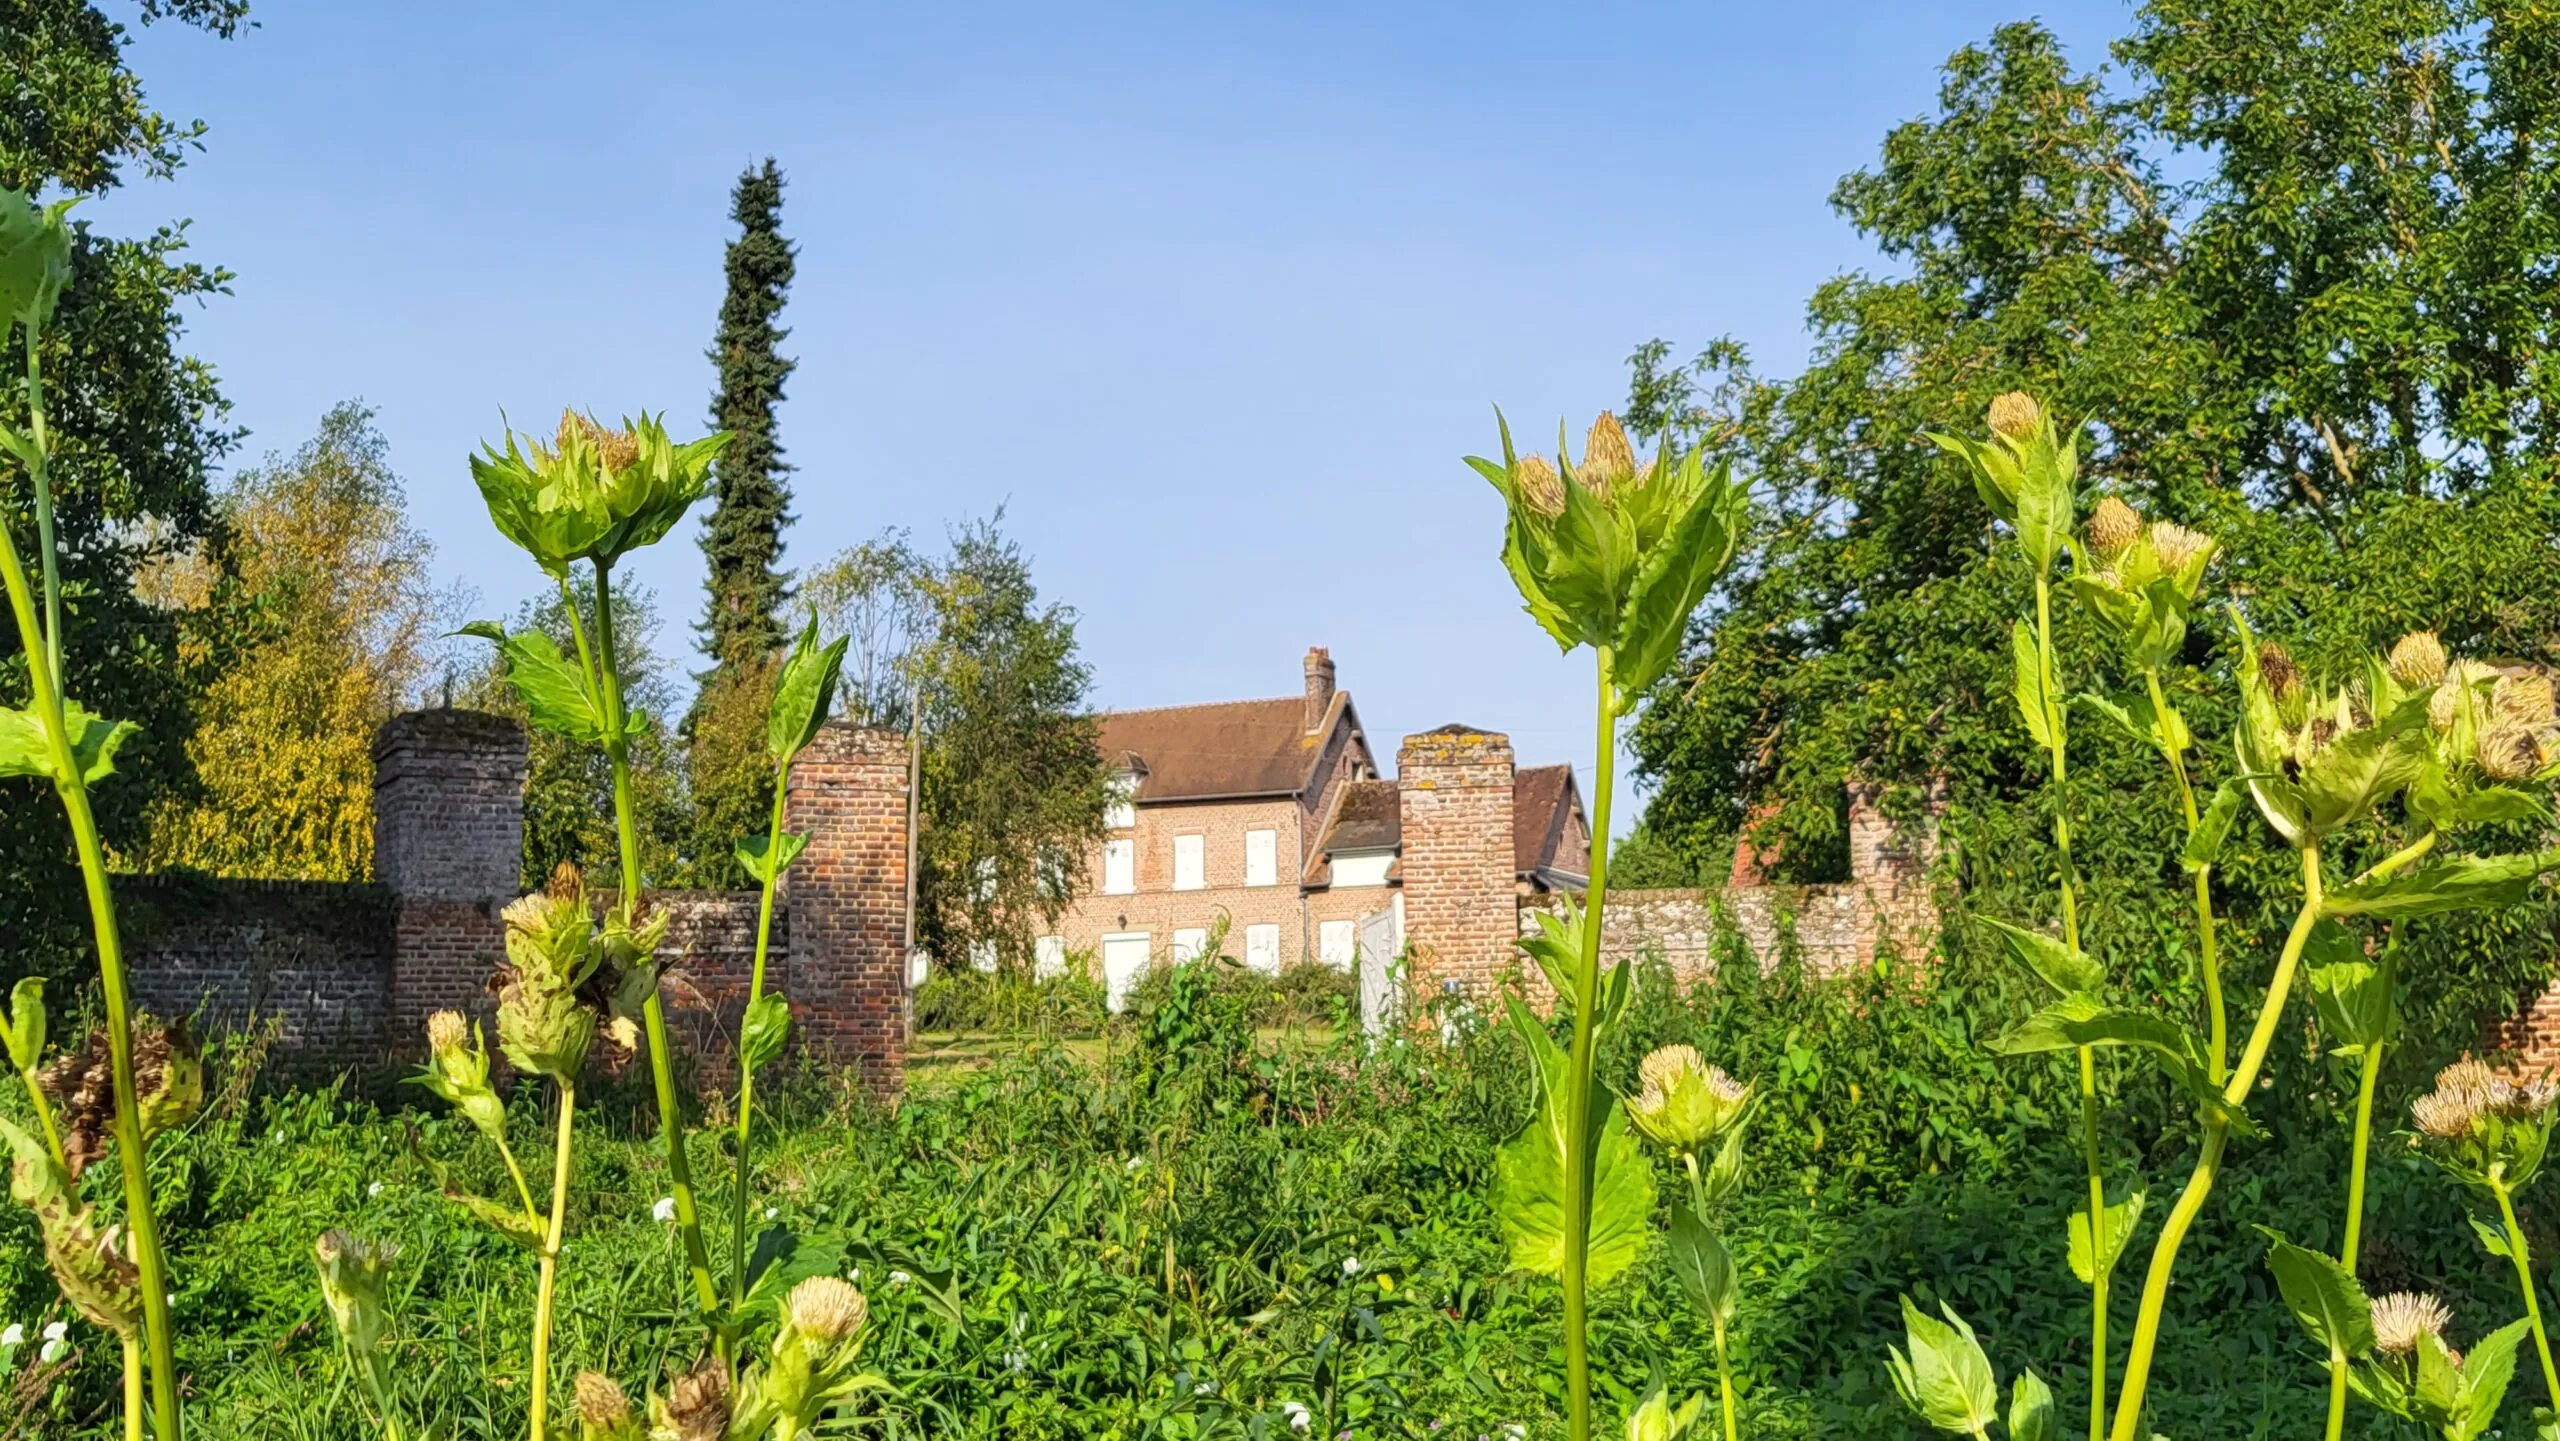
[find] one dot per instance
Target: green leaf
(2068, 971)
(1704, 1266)
(1995, 470)
(1945, 1377)
(2460, 883)
(2321, 1295)
(1683, 566)
(2028, 683)
(35, 259)
(767, 857)
(1529, 1172)
(25, 750)
(2492, 1238)
(2213, 827)
(805, 695)
(2500, 805)
(555, 693)
(2351, 995)
(26, 1026)
(761, 1032)
(1724, 1174)
(1557, 948)
(2485, 1373)
(2076, 1021)
(2030, 1409)
(2122, 1217)
(2131, 713)
(2044, 499)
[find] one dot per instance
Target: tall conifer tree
(743, 540)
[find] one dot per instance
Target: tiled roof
(1202, 752)
(1371, 817)
(1539, 795)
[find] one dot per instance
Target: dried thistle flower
(2276, 668)
(2015, 415)
(602, 1408)
(2417, 660)
(447, 1032)
(615, 449)
(2510, 751)
(2446, 1115)
(2113, 525)
(168, 1081)
(2176, 546)
(2522, 699)
(695, 1408)
(2401, 1317)
(1539, 485)
(825, 1310)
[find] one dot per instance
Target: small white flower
(16, 1335)
(1016, 1361)
(772, 1211)
(1350, 1265)
(1517, 1431)
(374, 1190)
(1300, 1418)
(1206, 1388)
(899, 1278)
(1135, 1162)
(53, 1351)
(57, 1330)
(665, 1210)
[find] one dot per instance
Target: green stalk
(2088, 1054)
(2217, 1132)
(746, 1074)
(131, 1159)
(41, 481)
(132, 1388)
(2524, 1279)
(653, 1012)
(524, 1193)
(2208, 954)
(541, 1382)
(1577, 1122)
(2370, 1067)
(1724, 1374)
(44, 1117)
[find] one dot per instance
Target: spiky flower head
(551, 951)
(1540, 487)
(353, 1278)
(592, 493)
(2113, 525)
(2417, 659)
(826, 1310)
(458, 1070)
(2177, 546)
(1685, 1103)
(1608, 460)
(2401, 1317)
(695, 1408)
(604, 1412)
(2522, 699)
(168, 1084)
(2485, 1128)
(2015, 415)
(2283, 677)
(2511, 751)
(447, 1032)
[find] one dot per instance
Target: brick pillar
(1890, 863)
(448, 843)
(848, 898)
(1461, 907)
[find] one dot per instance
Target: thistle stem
(2371, 1067)
(41, 481)
(2208, 957)
(2393, 862)
(132, 1387)
(653, 1011)
(44, 1117)
(1577, 1142)
(746, 1073)
(1724, 1384)
(2088, 1055)
(2524, 1279)
(524, 1193)
(71, 785)
(2217, 1134)
(541, 1382)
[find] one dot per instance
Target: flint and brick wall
(346, 973)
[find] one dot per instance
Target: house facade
(1271, 818)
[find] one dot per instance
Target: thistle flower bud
(1540, 488)
(2459, 693)
(602, 1408)
(447, 1033)
(2417, 660)
(2176, 546)
(353, 1274)
(2510, 752)
(2522, 699)
(1685, 1102)
(2113, 526)
(615, 449)
(565, 883)
(2276, 668)
(2015, 415)
(1607, 458)
(2401, 1317)
(695, 1408)
(825, 1310)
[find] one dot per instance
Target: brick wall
(448, 843)
(1158, 910)
(1461, 909)
(848, 965)
(312, 958)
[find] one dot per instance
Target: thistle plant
(2025, 474)
(1697, 1112)
(1613, 553)
(604, 1413)
(810, 1366)
(2409, 1371)
(57, 738)
(803, 697)
(1946, 1379)
(353, 1274)
(2491, 1134)
(593, 495)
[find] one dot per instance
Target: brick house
(1271, 816)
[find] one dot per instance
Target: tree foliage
(317, 596)
(2313, 338)
(742, 540)
(136, 423)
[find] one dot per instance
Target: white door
(1381, 937)
(1124, 960)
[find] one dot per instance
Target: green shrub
(971, 1000)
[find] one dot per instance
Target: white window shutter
(1262, 858)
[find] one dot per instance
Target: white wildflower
(1300, 1418)
(665, 1210)
(374, 1190)
(57, 1330)
(1350, 1265)
(16, 1335)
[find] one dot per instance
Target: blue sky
(1211, 298)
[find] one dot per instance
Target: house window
(1189, 942)
(1338, 943)
(1262, 858)
(1121, 811)
(1119, 867)
(1262, 946)
(1190, 862)
(1049, 957)
(982, 955)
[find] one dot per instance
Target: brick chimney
(1462, 912)
(1319, 687)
